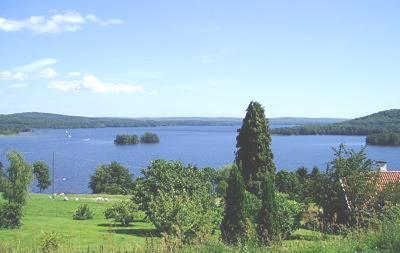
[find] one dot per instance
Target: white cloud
(36, 70)
(74, 74)
(93, 84)
(36, 65)
(10, 75)
(69, 21)
(47, 73)
(19, 85)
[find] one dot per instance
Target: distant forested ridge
(19, 122)
(384, 121)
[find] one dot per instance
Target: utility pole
(53, 174)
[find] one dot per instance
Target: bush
(50, 242)
(83, 213)
(122, 212)
(10, 215)
(289, 214)
(179, 200)
(149, 138)
(111, 179)
(186, 217)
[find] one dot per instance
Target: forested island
(384, 121)
(146, 138)
(384, 139)
(149, 138)
(125, 139)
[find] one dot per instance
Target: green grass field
(100, 235)
(43, 214)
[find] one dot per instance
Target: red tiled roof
(387, 177)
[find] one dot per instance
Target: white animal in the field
(99, 199)
(76, 199)
(66, 199)
(106, 200)
(61, 194)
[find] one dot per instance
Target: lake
(79, 151)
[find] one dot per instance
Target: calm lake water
(76, 157)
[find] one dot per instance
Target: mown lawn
(43, 214)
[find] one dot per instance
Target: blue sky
(199, 58)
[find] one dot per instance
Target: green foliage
(123, 212)
(15, 183)
(388, 120)
(83, 213)
(50, 242)
(288, 215)
(190, 218)
(111, 179)
(41, 172)
(267, 223)
(233, 227)
(10, 215)
(288, 182)
(254, 156)
(123, 139)
(179, 200)
(352, 171)
(384, 139)
(149, 138)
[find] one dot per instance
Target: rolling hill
(20, 122)
(384, 121)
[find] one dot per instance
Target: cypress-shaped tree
(267, 225)
(233, 226)
(254, 156)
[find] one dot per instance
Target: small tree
(41, 172)
(14, 184)
(267, 225)
(346, 192)
(233, 227)
(18, 177)
(254, 156)
(111, 179)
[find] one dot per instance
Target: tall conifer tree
(254, 156)
(233, 226)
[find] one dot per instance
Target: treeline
(14, 123)
(124, 139)
(384, 139)
(375, 123)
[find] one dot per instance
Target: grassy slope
(43, 214)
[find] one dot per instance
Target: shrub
(50, 242)
(187, 217)
(149, 138)
(179, 200)
(289, 214)
(121, 212)
(10, 215)
(111, 179)
(83, 213)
